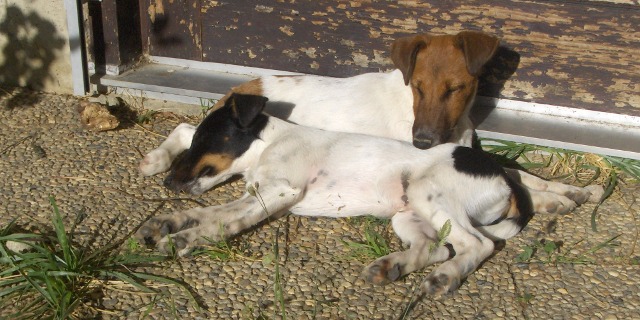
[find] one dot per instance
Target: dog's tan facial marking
(442, 89)
(217, 162)
(442, 72)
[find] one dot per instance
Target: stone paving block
(570, 291)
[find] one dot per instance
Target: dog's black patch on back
(475, 163)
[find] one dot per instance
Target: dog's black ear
(478, 48)
(245, 108)
(404, 52)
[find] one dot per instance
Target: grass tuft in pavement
(48, 274)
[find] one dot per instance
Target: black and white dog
(329, 174)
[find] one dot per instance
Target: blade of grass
(61, 234)
(33, 284)
(12, 286)
(608, 190)
(55, 276)
(127, 279)
(596, 175)
(601, 245)
(277, 282)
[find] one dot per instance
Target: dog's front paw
(180, 244)
(170, 233)
(577, 194)
(440, 284)
(155, 229)
(557, 204)
(382, 271)
(154, 162)
(591, 193)
(595, 192)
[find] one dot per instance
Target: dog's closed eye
(206, 171)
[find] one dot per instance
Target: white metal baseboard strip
(555, 126)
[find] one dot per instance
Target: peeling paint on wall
(574, 53)
(287, 30)
(156, 8)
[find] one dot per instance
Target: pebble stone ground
(44, 150)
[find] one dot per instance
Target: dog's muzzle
(424, 139)
(173, 185)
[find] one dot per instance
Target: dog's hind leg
(160, 159)
(577, 194)
(438, 203)
(184, 230)
(471, 247)
(554, 197)
(413, 230)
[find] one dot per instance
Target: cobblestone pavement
(44, 150)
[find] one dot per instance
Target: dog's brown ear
(245, 108)
(404, 52)
(478, 48)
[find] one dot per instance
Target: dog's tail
(519, 213)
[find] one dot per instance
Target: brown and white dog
(315, 172)
(425, 100)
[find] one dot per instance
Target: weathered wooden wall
(171, 28)
(581, 54)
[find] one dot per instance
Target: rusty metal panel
(324, 37)
(171, 28)
(571, 53)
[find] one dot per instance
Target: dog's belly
(336, 196)
(346, 204)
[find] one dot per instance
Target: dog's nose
(168, 182)
(422, 141)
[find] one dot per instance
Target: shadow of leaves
(31, 47)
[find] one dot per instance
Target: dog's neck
(275, 128)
